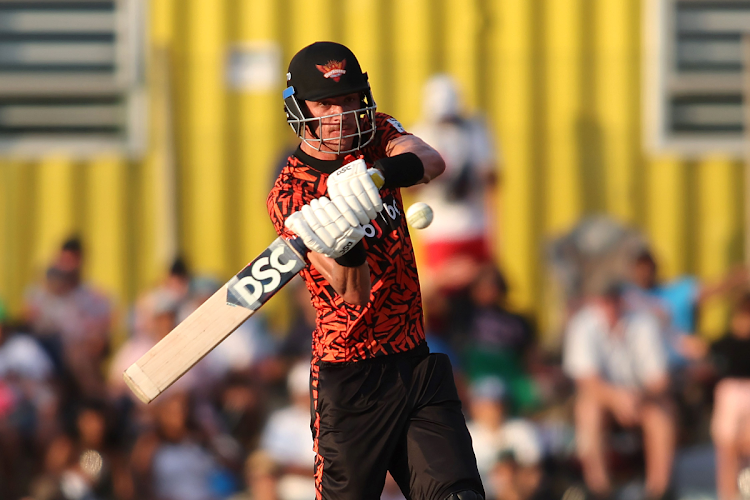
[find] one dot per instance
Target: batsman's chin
(335, 145)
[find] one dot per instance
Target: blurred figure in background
(261, 478)
(497, 342)
(173, 461)
(494, 435)
(71, 320)
(288, 441)
(463, 197)
(676, 303)
(730, 425)
(619, 365)
(298, 338)
(513, 480)
(28, 405)
(84, 461)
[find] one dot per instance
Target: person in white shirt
(492, 434)
(618, 361)
(461, 198)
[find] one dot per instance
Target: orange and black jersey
(392, 321)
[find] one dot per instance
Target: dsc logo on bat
(264, 275)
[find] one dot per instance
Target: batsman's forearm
(351, 283)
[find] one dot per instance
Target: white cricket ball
(419, 215)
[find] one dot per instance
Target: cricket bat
(218, 317)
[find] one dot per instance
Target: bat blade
(215, 319)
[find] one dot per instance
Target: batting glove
(353, 183)
(325, 228)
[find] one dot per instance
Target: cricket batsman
(380, 400)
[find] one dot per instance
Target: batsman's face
(337, 120)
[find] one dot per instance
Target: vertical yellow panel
(666, 198)
(617, 100)
(205, 161)
(55, 208)
(106, 226)
(16, 253)
(149, 264)
(411, 56)
(260, 133)
(462, 51)
(563, 38)
(718, 230)
(5, 228)
(370, 49)
(515, 56)
(311, 21)
(162, 21)
(156, 206)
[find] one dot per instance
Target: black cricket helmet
(321, 71)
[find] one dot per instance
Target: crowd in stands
(612, 405)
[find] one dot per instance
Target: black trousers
(398, 413)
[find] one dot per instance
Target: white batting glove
(324, 228)
(353, 183)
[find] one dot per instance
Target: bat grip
(298, 246)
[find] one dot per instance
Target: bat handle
(298, 246)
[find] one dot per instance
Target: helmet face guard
(364, 117)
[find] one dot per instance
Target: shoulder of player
(385, 121)
(294, 176)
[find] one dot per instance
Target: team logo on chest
(332, 69)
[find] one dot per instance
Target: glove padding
(325, 226)
(353, 183)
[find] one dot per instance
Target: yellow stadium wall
(560, 81)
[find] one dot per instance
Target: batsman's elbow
(434, 164)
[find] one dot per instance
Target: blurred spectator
(176, 287)
(492, 435)
(84, 463)
(619, 366)
(173, 461)
(597, 250)
(71, 320)
(730, 425)
(241, 407)
(462, 198)
(288, 441)
(28, 406)
(296, 343)
(513, 480)
(498, 341)
(261, 478)
(676, 302)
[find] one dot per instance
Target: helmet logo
(332, 69)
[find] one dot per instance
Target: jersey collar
(325, 166)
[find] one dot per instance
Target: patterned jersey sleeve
(387, 129)
(283, 201)
(294, 187)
